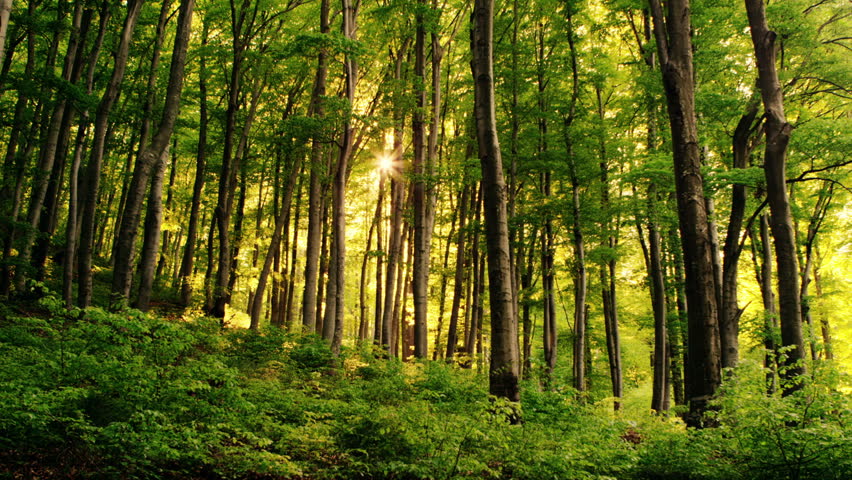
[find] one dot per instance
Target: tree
(152, 158)
(184, 277)
(312, 254)
(777, 133)
(93, 169)
(504, 366)
(674, 47)
(5, 11)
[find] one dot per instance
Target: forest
(425, 239)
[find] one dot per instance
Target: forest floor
(106, 395)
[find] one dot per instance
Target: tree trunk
(50, 147)
(814, 225)
(504, 365)
(198, 184)
(151, 236)
(762, 253)
(458, 279)
(418, 185)
(729, 320)
(437, 351)
(674, 47)
(309, 298)
(288, 302)
(151, 155)
(93, 169)
(72, 226)
(394, 246)
(256, 306)
(580, 275)
(549, 330)
(660, 391)
(608, 269)
(363, 325)
(5, 11)
(825, 327)
(380, 219)
(165, 254)
(350, 15)
(14, 165)
(778, 132)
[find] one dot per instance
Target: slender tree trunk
(458, 279)
(608, 269)
(380, 227)
(350, 15)
(814, 224)
(437, 351)
(395, 337)
(151, 240)
(526, 318)
(549, 330)
(151, 155)
(72, 226)
(431, 193)
(198, 184)
(288, 303)
(315, 191)
(677, 329)
(93, 169)
(394, 250)
(48, 218)
(418, 185)
(476, 291)
(134, 195)
(729, 320)
(825, 327)
(48, 152)
(762, 253)
(660, 391)
(363, 325)
(580, 275)
(5, 11)
(256, 306)
(504, 366)
(166, 243)
(14, 165)
(324, 261)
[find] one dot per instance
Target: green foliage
(95, 394)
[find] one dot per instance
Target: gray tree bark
(188, 259)
(150, 156)
(312, 253)
(93, 169)
(504, 366)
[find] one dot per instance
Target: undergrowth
(100, 395)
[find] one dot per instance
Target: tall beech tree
(777, 133)
(672, 33)
(312, 254)
(504, 368)
(152, 158)
(94, 167)
(186, 265)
